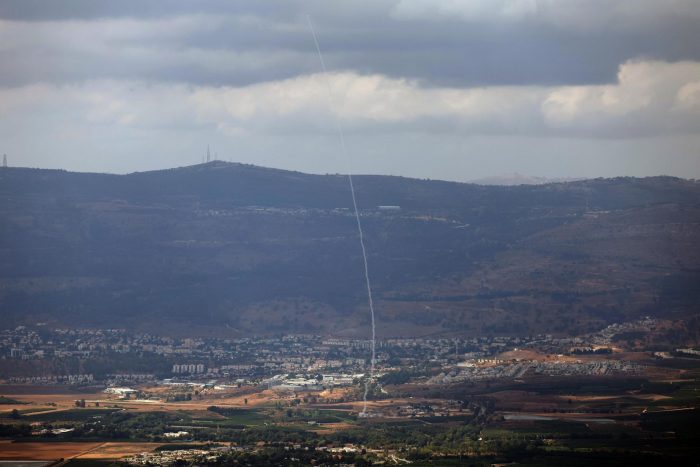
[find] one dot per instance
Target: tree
(15, 415)
(245, 401)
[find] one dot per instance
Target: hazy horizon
(505, 178)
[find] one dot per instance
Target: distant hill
(520, 179)
(235, 249)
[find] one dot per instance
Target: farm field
(54, 450)
(44, 451)
(537, 417)
(117, 450)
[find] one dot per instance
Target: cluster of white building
(188, 368)
(121, 391)
(60, 379)
(190, 456)
(468, 371)
(311, 382)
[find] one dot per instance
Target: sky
(440, 89)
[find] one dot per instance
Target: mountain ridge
(217, 246)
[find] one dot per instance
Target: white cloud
(688, 97)
(649, 97)
(359, 98)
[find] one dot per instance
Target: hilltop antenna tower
(4, 160)
(208, 154)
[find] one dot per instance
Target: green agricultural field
(71, 415)
(235, 416)
(7, 401)
(23, 412)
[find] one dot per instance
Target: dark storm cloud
(42, 10)
(254, 41)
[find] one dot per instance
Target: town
(158, 400)
(47, 356)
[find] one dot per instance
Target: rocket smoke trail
(341, 137)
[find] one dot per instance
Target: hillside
(235, 249)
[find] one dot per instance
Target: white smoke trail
(341, 137)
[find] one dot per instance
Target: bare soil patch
(118, 450)
(43, 451)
